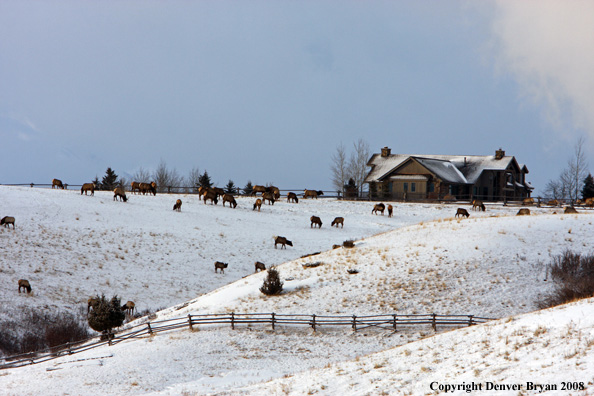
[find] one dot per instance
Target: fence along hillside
(388, 322)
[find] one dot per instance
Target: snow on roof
(469, 167)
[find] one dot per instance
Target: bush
(272, 284)
(105, 315)
(574, 275)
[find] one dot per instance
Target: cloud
(548, 47)
(21, 127)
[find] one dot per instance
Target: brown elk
(129, 308)
(7, 221)
(337, 221)
(220, 266)
(380, 207)
(589, 202)
(257, 204)
(120, 193)
(134, 186)
(282, 241)
(390, 210)
(553, 203)
(315, 220)
(274, 191)
(177, 205)
(258, 189)
(229, 198)
(477, 204)
(528, 201)
(25, 285)
(462, 212)
(259, 266)
(310, 193)
(56, 183)
(292, 197)
(268, 196)
(212, 196)
(88, 187)
(523, 212)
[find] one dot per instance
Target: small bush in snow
(574, 274)
(272, 284)
(106, 315)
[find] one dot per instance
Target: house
(496, 177)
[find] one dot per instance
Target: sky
(265, 91)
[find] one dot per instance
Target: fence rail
(390, 322)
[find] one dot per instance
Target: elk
(257, 204)
(212, 196)
(315, 220)
(528, 201)
(229, 198)
(177, 205)
(56, 183)
(310, 193)
(220, 266)
(259, 266)
(7, 221)
(129, 308)
(390, 210)
(25, 285)
(258, 189)
(462, 212)
(134, 186)
(88, 187)
(268, 196)
(120, 193)
(380, 207)
(477, 204)
(292, 197)
(283, 241)
(337, 221)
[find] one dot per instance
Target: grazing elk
(56, 183)
(337, 221)
(315, 220)
(523, 212)
(259, 266)
(320, 192)
(477, 204)
(88, 187)
(120, 193)
(380, 207)
(258, 189)
(177, 205)
(274, 191)
(268, 196)
(282, 241)
(7, 221)
(229, 198)
(462, 212)
(129, 308)
(212, 196)
(134, 186)
(257, 204)
(25, 285)
(310, 193)
(390, 210)
(292, 197)
(220, 266)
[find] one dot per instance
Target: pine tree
(272, 284)
(588, 190)
(110, 180)
(105, 315)
(249, 188)
(204, 180)
(230, 188)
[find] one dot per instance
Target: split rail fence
(391, 322)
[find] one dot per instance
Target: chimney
(386, 151)
(499, 154)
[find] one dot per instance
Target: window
(405, 187)
(413, 187)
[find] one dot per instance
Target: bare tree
(194, 179)
(141, 176)
(569, 183)
(358, 163)
(339, 168)
(166, 178)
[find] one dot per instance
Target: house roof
(459, 169)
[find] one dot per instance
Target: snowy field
(420, 261)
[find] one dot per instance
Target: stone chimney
(386, 151)
(499, 154)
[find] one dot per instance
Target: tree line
(575, 181)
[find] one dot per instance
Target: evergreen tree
(204, 180)
(97, 183)
(105, 315)
(588, 190)
(110, 180)
(230, 188)
(272, 284)
(249, 188)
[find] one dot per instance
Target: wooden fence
(390, 322)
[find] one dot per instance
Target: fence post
(70, 348)
(150, 331)
(190, 321)
(394, 316)
(313, 322)
(354, 323)
(470, 320)
(232, 320)
(273, 321)
(433, 323)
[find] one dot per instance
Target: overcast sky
(266, 90)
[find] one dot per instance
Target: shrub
(574, 275)
(106, 315)
(272, 284)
